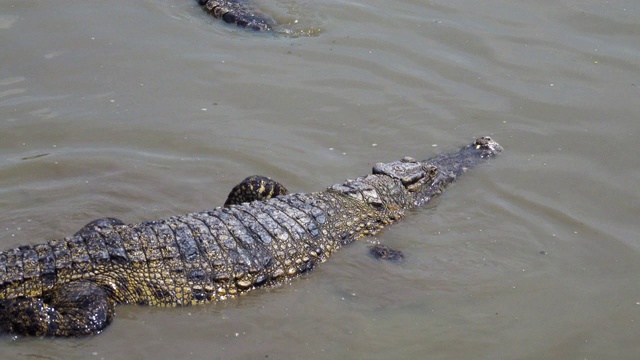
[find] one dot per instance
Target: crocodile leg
(254, 188)
(73, 309)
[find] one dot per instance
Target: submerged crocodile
(238, 12)
(264, 236)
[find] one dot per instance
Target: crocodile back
(196, 257)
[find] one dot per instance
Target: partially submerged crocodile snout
(420, 180)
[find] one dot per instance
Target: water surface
(147, 109)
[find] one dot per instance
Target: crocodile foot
(254, 188)
(383, 252)
(73, 309)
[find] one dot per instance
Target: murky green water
(147, 109)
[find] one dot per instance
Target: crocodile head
(408, 183)
(416, 182)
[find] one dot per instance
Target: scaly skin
(70, 287)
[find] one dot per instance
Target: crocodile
(238, 12)
(264, 236)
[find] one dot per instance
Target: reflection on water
(149, 109)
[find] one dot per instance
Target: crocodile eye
(429, 172)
